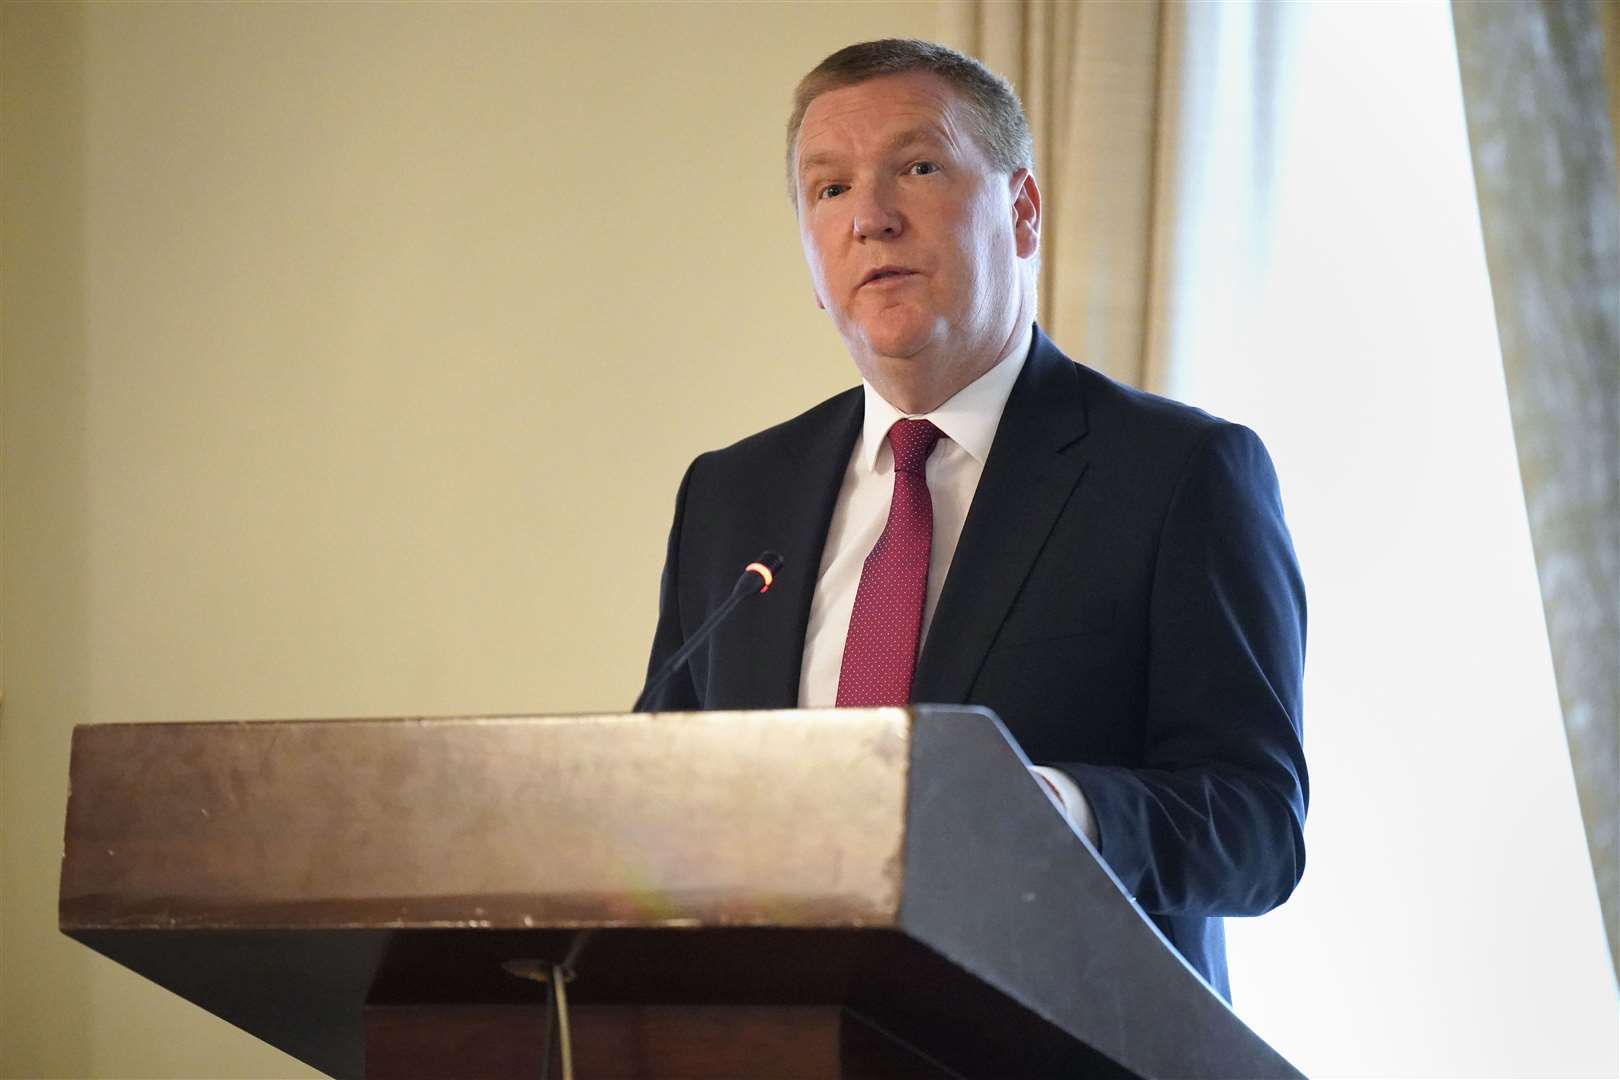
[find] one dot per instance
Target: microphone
(757, 577)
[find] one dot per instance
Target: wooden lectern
(851, 893)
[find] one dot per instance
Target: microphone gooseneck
(757, 577)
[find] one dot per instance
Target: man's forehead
(890, 110)
(923, 134)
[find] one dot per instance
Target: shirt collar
(969, 418)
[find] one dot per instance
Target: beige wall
(350, 357)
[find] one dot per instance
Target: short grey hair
(993, 106)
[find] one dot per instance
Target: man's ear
(1026, 211)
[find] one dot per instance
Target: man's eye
(831, 191)
(923, 168)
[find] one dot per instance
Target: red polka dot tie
(880, 652)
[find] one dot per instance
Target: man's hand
(1070, 800)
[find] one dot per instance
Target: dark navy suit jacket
(1124, 595)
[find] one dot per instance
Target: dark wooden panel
(637, 1042)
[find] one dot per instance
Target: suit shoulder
(790, 437)
(1110, 402)
(1155, 437)
(1175, 442)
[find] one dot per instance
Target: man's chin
(897, 342)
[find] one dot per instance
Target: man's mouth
(886, 273)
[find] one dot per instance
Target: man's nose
(876, 215)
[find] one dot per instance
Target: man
(985, 521)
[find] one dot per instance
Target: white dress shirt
(969, 421)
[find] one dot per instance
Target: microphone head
(766, 566)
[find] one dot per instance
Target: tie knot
(912, 441)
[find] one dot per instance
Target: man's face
(912, 236)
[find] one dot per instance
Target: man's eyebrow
(909, 137)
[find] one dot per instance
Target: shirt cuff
(1070, 800)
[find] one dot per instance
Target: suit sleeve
(680, 693)
(1212, 823)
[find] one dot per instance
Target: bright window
(1332, 293)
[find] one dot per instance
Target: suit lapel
(1034, 464)
(800, 509)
